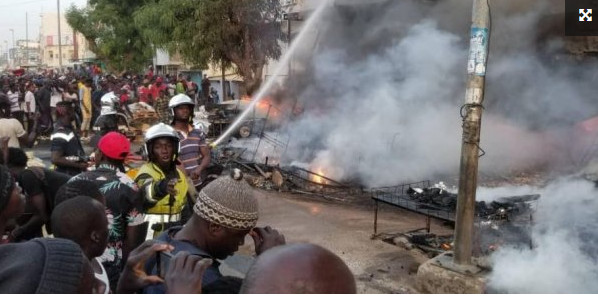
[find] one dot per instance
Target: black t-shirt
(42, 181)
(64, 139)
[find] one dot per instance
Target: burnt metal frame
(330, 189)
(397, 196)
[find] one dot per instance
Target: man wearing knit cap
(45, 266)
(124, 202)
(12, 201)
(224, 213)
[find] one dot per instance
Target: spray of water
(282, 64)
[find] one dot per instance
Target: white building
(73, 48)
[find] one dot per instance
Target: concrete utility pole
(14, 53)
(474, 96)
(222, 83)
(26, 38)
(59, 36)
(289, 44)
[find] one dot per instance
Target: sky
(12, 16)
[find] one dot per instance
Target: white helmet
(180, 99)
(109, 102)
(158, 131)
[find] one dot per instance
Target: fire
(263, 106)
(318, 178)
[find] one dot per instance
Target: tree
(244, 34)
(111, 34)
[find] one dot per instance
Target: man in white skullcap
(225, 212)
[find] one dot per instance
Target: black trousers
(19, 115)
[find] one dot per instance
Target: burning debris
(441, 199)
(505, 220)
(439, 203)
(289, 179)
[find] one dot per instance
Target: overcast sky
(12, 15)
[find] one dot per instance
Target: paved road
(345, 229)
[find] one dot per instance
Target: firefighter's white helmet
(180, 99)
(158, 131)
(109, 102)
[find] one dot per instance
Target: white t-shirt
(55, 98)
(12, 128)
(29, 97)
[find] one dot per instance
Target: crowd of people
(89, 225)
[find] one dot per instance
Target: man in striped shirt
(194, 152)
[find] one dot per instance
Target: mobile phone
(163, 262)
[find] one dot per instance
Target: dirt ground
(346, 229)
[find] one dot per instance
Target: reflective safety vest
(149, 185)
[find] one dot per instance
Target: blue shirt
(211, 275)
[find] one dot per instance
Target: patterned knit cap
(228, 201)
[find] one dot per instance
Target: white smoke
(565, 253)
(382, 102)
(382, 123)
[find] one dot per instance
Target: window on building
(51, 54)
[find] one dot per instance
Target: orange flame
(319, 179)
(262, 105)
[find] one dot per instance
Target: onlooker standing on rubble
(144, 92)
(165, 186)
(67, 152)
(157, 87)
(161, 106)
(225, 212)
(124, 204)
(194, 152)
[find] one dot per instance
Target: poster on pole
(478, 51)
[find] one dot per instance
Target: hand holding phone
(163, 262)
(133, 276)
(185, 273)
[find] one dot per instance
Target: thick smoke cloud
(564, 257)
(382, 84)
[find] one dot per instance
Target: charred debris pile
(505, 220)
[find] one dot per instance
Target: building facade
(70, 49)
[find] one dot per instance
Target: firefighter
(165, 186)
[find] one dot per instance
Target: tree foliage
(241, 33)
(108, 27)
